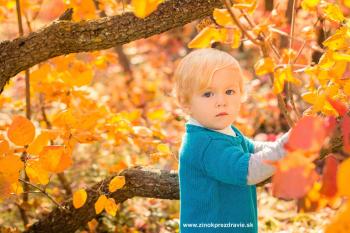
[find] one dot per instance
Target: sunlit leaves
(100, 204)
(222, 17)
(309, 4)
(36, 172)
(106, 203)
(329, 176)
(333, 12)
(55, 159)
(338, 40)
(79, 198)
(294, 176)
(143, 8)
(343, 178)
(21, 131)
(345, 126)
(111, 207)
(116, 183)
(10, 166)
(340, 223)
(314, 134)
(282, 75)
(264, 66)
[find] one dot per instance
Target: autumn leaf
(111, 207)
(309, 4)
(338, 106)
(345, 126)
(21, 131)
(100, 203)
(79, 198)
(223, 17)
(264, 66)
(314, 133)
(329, 176)
(333, 12)
(36, 173)
(55, 158)
(4, 147)
(340, 223)
(343, 175)
(204, 38)
(294, 176)
(116, 183)
(143, 8)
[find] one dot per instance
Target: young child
(218, 165)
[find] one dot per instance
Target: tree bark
(139, 182)
(65, 37)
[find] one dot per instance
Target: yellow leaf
(164, 148)
(111, 207)
(158, 114)
(79, 198)
(326, 60)
(341, 57)
(36, 173)
(346, 88)
(309, 97)
(249, 7)
(116, 183)
(343, 175)
(222, 17)
(333, 12)
(100, 204)
(21, 131)
(143, 8)
(338, 40)
(264, 66)
(309, 5)
(205, 37)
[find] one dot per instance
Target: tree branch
(65, 37)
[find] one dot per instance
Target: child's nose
(221, 100)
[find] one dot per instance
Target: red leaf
(338, 106)
(308, 134)
(345, 125)
(294, 176)
(329, 178)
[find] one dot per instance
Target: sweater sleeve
(258, 170)
(226, 162)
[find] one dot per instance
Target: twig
(239, 24)
(42, 191)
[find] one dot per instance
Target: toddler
(218, 166)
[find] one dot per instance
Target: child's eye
(230, 92)
(207, 94)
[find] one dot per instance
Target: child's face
(222, 95)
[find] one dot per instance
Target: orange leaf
(100, 204)
(343, 175)
(36, 173)
(4, 147)
(111, 207)
(116, 183)
(79, 198)
(21, 131)
(55, 158)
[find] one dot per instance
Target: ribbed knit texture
(213, 170)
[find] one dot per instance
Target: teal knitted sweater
(213, 170)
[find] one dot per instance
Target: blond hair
(194, 72)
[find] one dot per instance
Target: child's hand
(280, 143)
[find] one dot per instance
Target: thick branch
(64, 37)
(141, 182)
